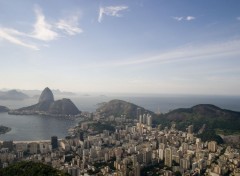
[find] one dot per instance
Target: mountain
(46, 96)
(30, 168)
(47, 106)
(120, 107)
(64, 106)
(3, 109)
(212, 116)
(12, 95)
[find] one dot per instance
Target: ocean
(28, 128)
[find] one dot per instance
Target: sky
(122, 46)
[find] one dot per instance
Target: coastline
(36, 141)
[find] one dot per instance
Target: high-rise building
(81, 136)
(8, 144)
(140, 119)
(212, 146)
(147, 157)
(184, 163)
(54, 142)
(144, 119)
(149, 120)
(137, 169)
(168, 157)
(33, 148)
(190, 129)
(161, 154)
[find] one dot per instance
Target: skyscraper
(54, 142)
(190, 129)
(168, 157)
(137, 170)
(149, 120)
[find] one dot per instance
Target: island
(4, 129)
(49, 107)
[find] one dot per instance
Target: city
(135, 148)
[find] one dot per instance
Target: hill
(212, 116)
(63, 106)
(13, 95)
(30, 168)
(120, 107)
(3, 109)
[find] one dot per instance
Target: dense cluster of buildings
(135, 148)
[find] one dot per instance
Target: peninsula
(47, 106)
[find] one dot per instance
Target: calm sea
(41, 128)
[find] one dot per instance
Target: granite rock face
(46, 96)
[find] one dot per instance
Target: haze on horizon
(137, 46)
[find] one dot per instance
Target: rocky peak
(46, 96)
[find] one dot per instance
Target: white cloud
(110, 11)
(69, 25)
(178, 18)
(14, 36)
(190, 18)
(42, 29)
(187, 18)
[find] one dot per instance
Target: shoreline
(37, 141)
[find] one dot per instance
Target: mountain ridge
(13, 95)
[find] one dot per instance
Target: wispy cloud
(14, 36)
(187, 18)
(110, 11)
(209, 51)
(178, 18)
(238, 18)
(69, 25)
(42, 29)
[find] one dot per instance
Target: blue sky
(137, 46)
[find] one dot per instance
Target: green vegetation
(30, 168)
(153, 170)
(120, 107)
(210, 135)
(101, 126)
(214, 117)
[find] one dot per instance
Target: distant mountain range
(12, 95)
(47, 106)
